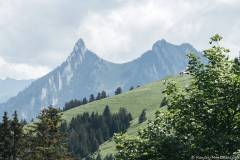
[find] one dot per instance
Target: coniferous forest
(50, 138)
(87, 131)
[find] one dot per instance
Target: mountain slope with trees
(84, 73)
(147, 97)
(202, 120)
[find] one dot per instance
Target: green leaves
(215, 38)
(203, 119)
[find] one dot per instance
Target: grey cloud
(34, 32)
(42, 33)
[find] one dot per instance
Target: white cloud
(115, 34)
(42, 32)
(124, 33)
(21, 71)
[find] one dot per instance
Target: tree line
(100, 95)
(76, 103)
(87, 132)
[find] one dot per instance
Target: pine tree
(118, 91)
(131, 88)
(91, 98)
(130, 117)
(99, 96)
(84, 101)
(142, 117)
(108, 119)
(17, 137)
(48, 141)
(103, 94)
(5, 139)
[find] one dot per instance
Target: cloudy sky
(37, 35)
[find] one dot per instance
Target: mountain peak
(80, 45)
(161, 42)
(79, 51)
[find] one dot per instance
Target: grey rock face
(84, 73)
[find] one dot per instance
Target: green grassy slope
(146, 97)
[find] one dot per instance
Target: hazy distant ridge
(11, 87)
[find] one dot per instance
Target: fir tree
(108, 119)
(5, 139)
(118, 91)
(99, 96)
(17, 137)
(91, 98)
(103, 94)
(48, 141)
(131, 88)
(142, 117)
(84, 101)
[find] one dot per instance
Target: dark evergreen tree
(17, 137)
(103, 94)
(84, 101)
(142, 117)
(72, 104)
(130, 117)
(118, 91)
(91, 98)
(131, 88)
(109, 121)
(48, 141)
(5, 139)
(99, 96)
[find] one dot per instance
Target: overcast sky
(38, 35)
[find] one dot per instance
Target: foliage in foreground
(43, 140)
(202, 119)
(11, 134)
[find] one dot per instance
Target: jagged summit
(161, 42)
(85, 73)
(80, 47)
(79, 51)
(80, 44)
